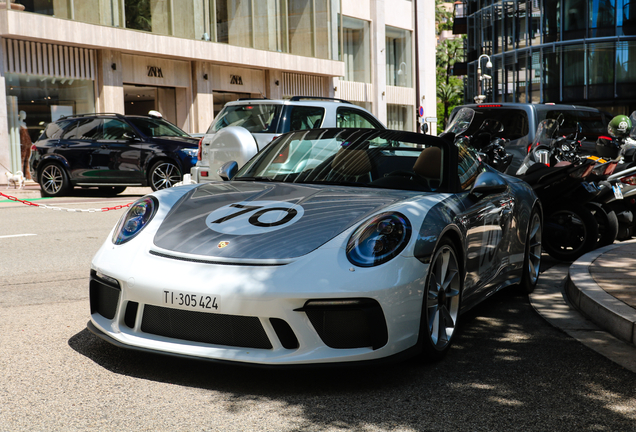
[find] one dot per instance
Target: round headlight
(379, 239)
(135, 219)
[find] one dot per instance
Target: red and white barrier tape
(44, 206)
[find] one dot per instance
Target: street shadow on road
(508, 370)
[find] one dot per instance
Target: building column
(378, 45)
(202, 96)
(426, 45)
(110, 84)
(5, 146)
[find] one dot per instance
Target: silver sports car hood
(245, 220)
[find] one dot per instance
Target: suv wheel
(164, 174)
(54, 181)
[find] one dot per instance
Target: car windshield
(514, 122)
(156, 127)
(351, 157)
(253, 117)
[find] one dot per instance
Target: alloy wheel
(164, 175)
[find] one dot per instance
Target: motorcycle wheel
(570, 230)
(607, 224)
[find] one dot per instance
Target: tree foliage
(450, 89)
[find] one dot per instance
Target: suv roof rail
(93, 114)
(246, 99)
(299, 98)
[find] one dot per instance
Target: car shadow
(505, 362)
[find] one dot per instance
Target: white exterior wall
(202, 66)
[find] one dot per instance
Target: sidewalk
(31, 192)
(602, 285)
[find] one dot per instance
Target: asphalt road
(509, 369)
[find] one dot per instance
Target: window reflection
(398, 57)
(601, 18)
(357, 49)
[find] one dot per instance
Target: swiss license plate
(618, 193)
(192, 301)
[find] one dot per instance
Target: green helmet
(619, 126)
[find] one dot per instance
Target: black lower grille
(103, 298)
(348, 323)
(216, 329)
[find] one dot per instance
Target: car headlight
(191, 152)
(135, 219)
(379, 239)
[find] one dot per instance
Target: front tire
(607, 224)
(164, 174)
(440, 307)
(570, 231)
(54, 181)
(532, 255)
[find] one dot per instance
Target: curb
(606, 311)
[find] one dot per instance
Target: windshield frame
(402, 147)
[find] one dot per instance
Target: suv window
(254, 118)
(156, 127)
(514, 121)
(304, 117)
(54, 130)
(350, 118)
(591, 122)
(115, 130)
(88, 129)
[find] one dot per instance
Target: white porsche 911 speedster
(329, 246)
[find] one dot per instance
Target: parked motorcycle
(485, 141)
(618, 192)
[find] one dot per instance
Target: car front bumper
(292, 313)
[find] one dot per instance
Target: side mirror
(228, 170)
(488, 183)
(129, 136)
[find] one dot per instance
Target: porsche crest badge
(222, 244)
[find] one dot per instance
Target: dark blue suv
(112, 152)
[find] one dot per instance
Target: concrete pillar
(202, 111)
(110, 85)
(5, 152)
(378, 46)
(273, 84)
(426, 44)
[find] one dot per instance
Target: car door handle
(104, 146)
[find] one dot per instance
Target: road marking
(17, 235)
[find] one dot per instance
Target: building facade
(187, 58)
(562, 51)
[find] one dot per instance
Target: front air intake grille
(216, 329)
(348, 323)
(104, 298)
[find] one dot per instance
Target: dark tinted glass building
(562, 51)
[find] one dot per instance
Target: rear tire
(570, 231)
(532, 255)
(54, 181)
(607, 224)
(441, 302)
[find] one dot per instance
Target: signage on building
(155, 71)
(236, 80)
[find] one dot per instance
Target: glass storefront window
(33, 102)
(601, 18)
(270, 25)
(551, 75)
(399, 117)
(535, 24)
(535, 77)
(626, 68)
(398, 57)
(45, 99)
(234, 22)
(522, 34)
(551, 20)
(573, 71)
(625, 17)
(357, 50)
(574, 19)
(147, 15)
(601, 58)
(523, 73)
